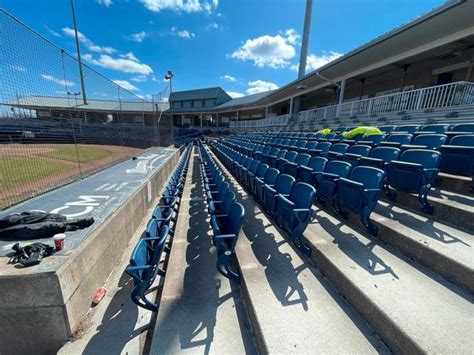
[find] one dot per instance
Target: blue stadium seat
(326, 182)
(439, 128)
(463, 128)
(260, 173)
(408, 128)
(144, 265)
(294, 212)
(251, 170)
(373, 139)
(430, 141)
(216, 207)
(359, 193)
(269, 179)
(380, 157)
(397, 139)
(289, 158)
(387, 129)
(226, 231)
(458, 156)
(291, 168)
(415, 172)
(282, 186)
(355, 152)
(272, 160)
(306, 173)
(337, 150)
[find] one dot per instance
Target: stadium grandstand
(332, 215)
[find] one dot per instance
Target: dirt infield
(27, 170)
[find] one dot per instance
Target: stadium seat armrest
(138, 268)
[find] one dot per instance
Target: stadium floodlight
(169, 76)
(78, 48)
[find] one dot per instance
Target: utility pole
(304, 44)
(83, 86)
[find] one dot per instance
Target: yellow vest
(324, 131)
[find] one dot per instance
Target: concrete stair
(413, 286)
(409, 291)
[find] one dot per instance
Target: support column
(404, 76)
(291, 105)
(341, 92)
(266, 111)
(217, 119)
(182, 120)
(361, 91)
(201, 120)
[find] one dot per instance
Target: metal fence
(48, 135)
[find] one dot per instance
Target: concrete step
(200, 311)
(292, 308)
(443, 248)
(456, 183)
(449, 207)
(411, 307)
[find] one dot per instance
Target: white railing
(270, 121)
(455, 94)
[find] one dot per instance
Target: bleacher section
(387, 220)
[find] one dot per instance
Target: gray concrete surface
(411, 307)
(293, 308)
(449, 207)
(53, 297)
(445, 249)
(116, 325)
(200, 312)
(456, 183)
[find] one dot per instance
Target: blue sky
(244, 46)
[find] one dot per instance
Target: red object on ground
(59, 241)
(99, 295)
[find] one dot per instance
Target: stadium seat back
(284, 183)
(436, 128)
(401, 138)
(408, 128)
(262, 169)
(431, 141)
(360, 149)
(302, 159)
(429, 159)
(463, 127)
(341, 148)
(302, 195)
(463, 140)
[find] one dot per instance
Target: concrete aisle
(200, 311)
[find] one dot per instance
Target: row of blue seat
(413, 170)
(287, 202)
(145, 259)
(226, 214)
(432, 128)
(457, 157)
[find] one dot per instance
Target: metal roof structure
(199, 94)
(61, 103)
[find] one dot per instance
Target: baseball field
(29, 169)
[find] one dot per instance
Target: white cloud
(125, 65)
(57, 81)
(234, 94)
(219, 14)
(314, 61)
(268, 51)
(139, 78)
(292, 36)
(180, 5)
(87, 42)
(228, 78)
(183, 33)
(126, 85)
(52, 32)
(145, 97)
(136, 37)
(258, 86)
(214, 26)
(130, 56)
(106, 3)
(19, 68)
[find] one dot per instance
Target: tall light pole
(83, 86)
(304, 43)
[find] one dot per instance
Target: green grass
(15, 170)
(68, 152)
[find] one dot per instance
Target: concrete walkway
(201, 312)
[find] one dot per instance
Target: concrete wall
(40, 310)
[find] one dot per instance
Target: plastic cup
(59, 241)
